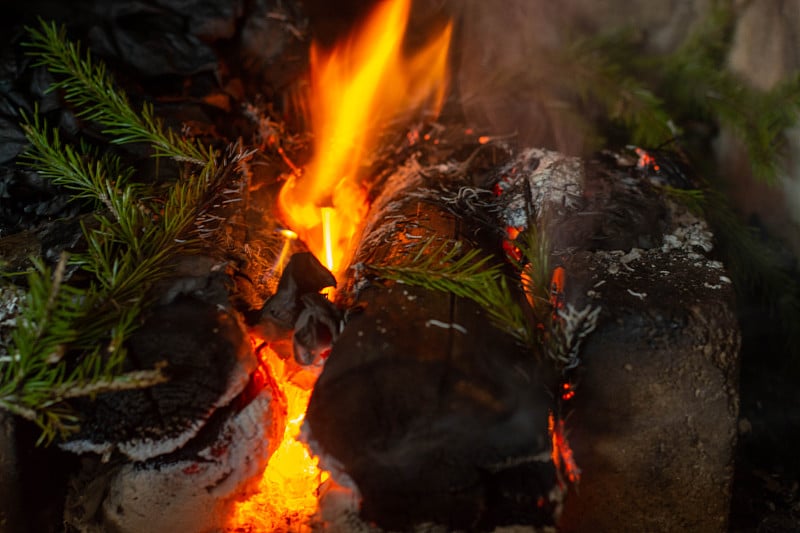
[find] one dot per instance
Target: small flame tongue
(354, 88)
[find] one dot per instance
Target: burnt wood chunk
(208, 363)
(303, 275)
(436, 415)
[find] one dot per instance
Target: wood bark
(435, 413)
(445, 424)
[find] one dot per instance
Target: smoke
(506, 59)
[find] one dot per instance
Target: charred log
(654, 400)
(176, 456)
(436, 415)
(207, 369)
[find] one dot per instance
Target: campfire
(421, 324)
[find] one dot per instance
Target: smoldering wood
(303, 275)
(297, 318)
(208, 363)
(436, 415)
(656, 382)
(654, 417)
(316, 329)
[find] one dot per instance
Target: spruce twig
(38, 377)
(86, 85)
(468, 274)
(623, 97)
(69, 342)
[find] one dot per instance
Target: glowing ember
(287, 494)
(561, 452)
(354, 88)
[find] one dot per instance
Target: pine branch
(470, 275)
(69, 342)
(38, 377)
(86, 85)
(78, 171)
(693, 199)
(535, 270)
(599, 80)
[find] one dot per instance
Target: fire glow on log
(354, 88)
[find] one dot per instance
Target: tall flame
(354, 88)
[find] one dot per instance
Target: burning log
(177, 456)
(437, 416)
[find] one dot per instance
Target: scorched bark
(437, 415)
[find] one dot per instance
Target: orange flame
(286, 498)
(354, 88)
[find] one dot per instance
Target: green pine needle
(85, 84)
(470, 274)
(37, 377)
(69, 342)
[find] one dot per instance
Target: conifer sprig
(446, 267)
(598, 80)
(86, 85)
(38, 375)
(69, 342)
(78, 170)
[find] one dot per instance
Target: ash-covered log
(439, 417)
(653, 408)
(177, 456)
(436, 414)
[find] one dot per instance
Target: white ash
(188, 495)
(554, 180)
(634, 255)
(464, 200)
(445, 325)
(690, 234)
(11, 301)
(688, 239)
(640, 295)
(575, 326)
